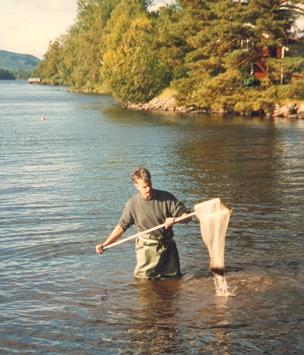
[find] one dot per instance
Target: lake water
(64, 180)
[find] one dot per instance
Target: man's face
(145, 188)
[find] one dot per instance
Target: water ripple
(64, 182)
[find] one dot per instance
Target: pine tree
(227, 38)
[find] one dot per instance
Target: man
(156, 253)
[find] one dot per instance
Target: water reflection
(157, 304)
(226, 162)
(164, 322)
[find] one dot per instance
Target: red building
(260, 69)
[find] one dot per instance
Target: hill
(17, 62)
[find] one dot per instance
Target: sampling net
(214, 218)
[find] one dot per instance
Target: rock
(285, 110)
(280, 111)
(167, 103)
(300, 111)
(292, 108)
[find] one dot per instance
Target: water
(64, 181)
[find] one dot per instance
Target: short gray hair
(141, 173)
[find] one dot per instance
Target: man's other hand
(99, 249)
(169, 222)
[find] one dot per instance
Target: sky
(27, 26)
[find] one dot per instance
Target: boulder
(286, 110)
(300, 112)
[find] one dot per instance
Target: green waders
(156, 259)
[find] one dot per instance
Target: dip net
(214, 217)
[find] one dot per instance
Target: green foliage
(130, 67)
(204, 50)
(133, 73)
(85, 44)
(251, 81)
(225, 39)
(51, 67)
(282, 70)
(75, 58)
(6, 75)
(22, 74)
(294, 90)
(169, 42)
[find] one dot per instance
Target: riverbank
(166, 102)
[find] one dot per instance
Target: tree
(169, 41)
(83, 49)
(226, 38)
(206, 50)
(74, 59)
(130, 67)
(51, 69)
(6, 75)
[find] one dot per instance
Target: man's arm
(172, 220)
(116, 234)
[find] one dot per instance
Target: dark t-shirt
(146, 214)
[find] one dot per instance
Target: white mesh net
(214, 218)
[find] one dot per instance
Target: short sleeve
(177, 208)
(126, 219)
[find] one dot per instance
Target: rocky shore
(291, 109)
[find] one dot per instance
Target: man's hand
(99, 248)
(169, 222)
(116, 234)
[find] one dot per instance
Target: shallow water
(64, 181)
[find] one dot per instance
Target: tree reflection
(155, 328)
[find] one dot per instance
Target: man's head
(141, 178)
